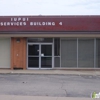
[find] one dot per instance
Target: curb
(47, 74)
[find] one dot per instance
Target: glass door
(33, 55)
(46, 56)
(40, 56)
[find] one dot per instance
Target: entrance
(40, 55)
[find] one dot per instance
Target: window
(57, 47)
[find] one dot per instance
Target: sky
(49, 7)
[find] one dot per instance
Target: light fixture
(18, 40)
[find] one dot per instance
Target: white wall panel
(5, 52)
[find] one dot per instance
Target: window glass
(69, 53)
(98, 53)
(38, 40)
(57, 47)
(86, 53)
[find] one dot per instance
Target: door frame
(39, 54)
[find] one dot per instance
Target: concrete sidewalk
(50, 72)
(13, 97)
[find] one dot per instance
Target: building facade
(50, 42)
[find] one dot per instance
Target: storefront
(50, 42)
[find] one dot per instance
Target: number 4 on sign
(60, 23)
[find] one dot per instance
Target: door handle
(38, 50)
(42, 55)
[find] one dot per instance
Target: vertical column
(24, 53)
(53, 60)
(12, 56)
(94, 52)
(77, 52)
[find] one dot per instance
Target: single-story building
(50, 42)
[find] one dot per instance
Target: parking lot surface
(49, 85)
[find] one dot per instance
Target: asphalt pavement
(77, 86)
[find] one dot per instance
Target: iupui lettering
(19, 19)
